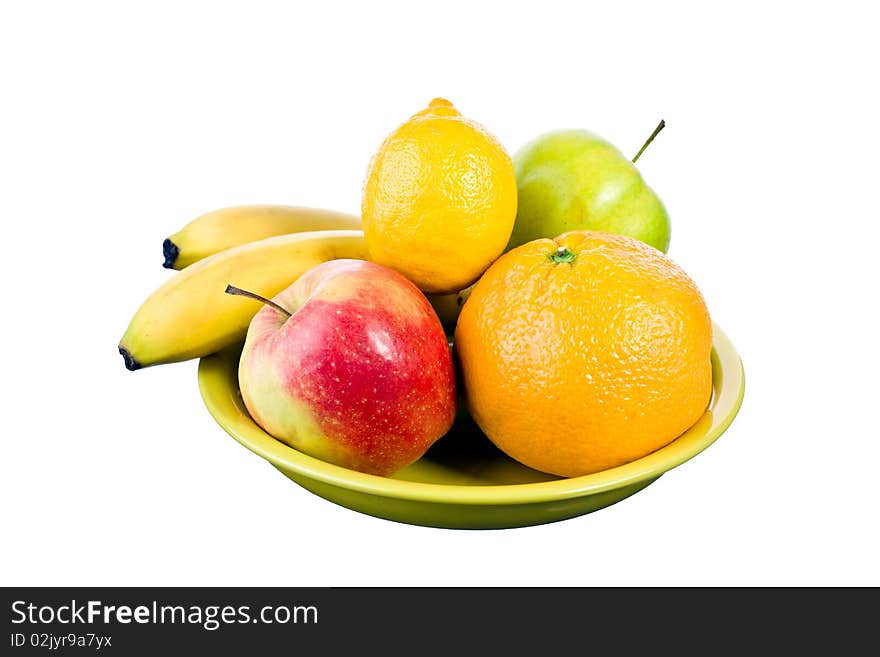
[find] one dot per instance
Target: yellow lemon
(439, 200)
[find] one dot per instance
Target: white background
(120, 125)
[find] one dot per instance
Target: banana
(448, 307)
(190, 316)
(222, 229)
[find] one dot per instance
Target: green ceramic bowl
(464, 481)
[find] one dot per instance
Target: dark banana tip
(170, 251)
(130, 363)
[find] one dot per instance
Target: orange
(439, 200)
(584, 352)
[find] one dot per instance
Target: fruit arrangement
(531, 295)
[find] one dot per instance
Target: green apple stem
(656, 132)
(231, 289)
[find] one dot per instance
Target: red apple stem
(656, 132)
(237, 291)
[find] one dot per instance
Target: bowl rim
(728, 390)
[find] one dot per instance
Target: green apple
(575, 180)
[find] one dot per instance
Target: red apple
(351, 365)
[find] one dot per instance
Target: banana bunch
(222, 229)
(260, 248)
